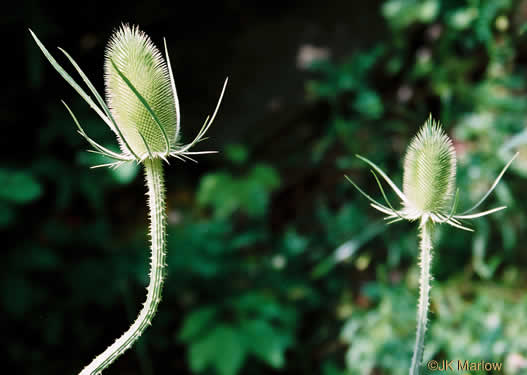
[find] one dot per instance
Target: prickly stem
(156, 204)
(425, 262)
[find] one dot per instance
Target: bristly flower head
(429, 180)
(143, 106)
(132, 54)
(429, 175)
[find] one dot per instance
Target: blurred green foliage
(270, 272)
(462, 61)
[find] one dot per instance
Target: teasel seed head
(131, 56)
(429, 175)
(429, 180)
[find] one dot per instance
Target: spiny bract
(131, 53)
(429, 170)
(143, 106)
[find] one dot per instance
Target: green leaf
(265, 175)
(249, 194)
(265, 342)
(18, 186)
(222, 349)
(196, 322)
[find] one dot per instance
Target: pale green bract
(429, 179)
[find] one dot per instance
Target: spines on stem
(131, 53)
(157, 211)
(156, 204)
(429, 170)
(425, 263)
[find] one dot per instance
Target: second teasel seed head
(131, 53)
(429, 180)
(429, 175)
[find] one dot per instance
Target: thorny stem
(156, 204)
(425, 232)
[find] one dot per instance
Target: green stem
(156, 204)
(425, 232)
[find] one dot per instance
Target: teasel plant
(142, 109)
(429, 178)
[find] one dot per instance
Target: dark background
(275, 263)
